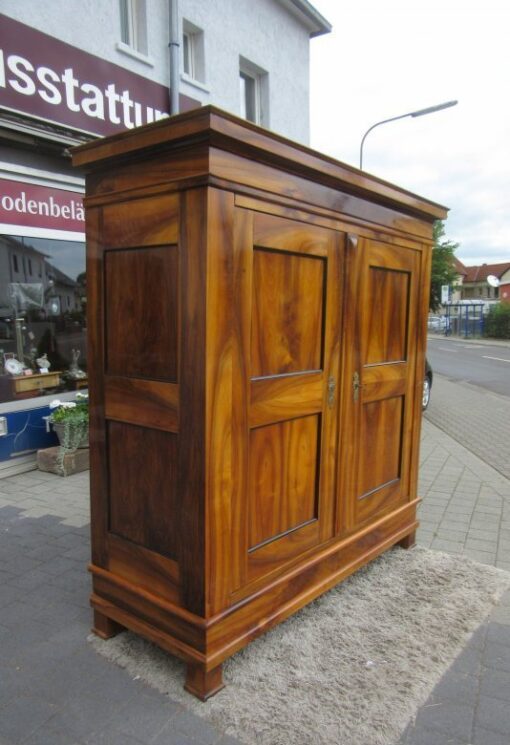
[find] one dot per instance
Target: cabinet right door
(379, 424)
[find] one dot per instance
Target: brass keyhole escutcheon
(356, 385)
(331, 392)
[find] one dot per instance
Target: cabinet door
(378, 430)
(288, 309)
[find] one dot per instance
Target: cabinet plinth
(257, 328)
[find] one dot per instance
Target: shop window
(254, 93)
(133, 24)
(193, 58)
(42, 318)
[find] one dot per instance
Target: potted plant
(70, 421)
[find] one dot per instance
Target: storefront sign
(46, 78)
(30, 205)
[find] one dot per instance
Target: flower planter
(74, 432)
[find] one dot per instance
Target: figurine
(74, 370)
(43, 363)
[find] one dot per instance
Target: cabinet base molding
(204, 644)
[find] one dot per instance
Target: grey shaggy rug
(351, 668)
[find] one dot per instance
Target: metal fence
(462, 319)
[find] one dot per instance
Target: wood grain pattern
(149, 403)
(264, 604)
(192, 374)
(203, 683)
(220, 386)
(237, 473)
(273, 400)
(282, 491)
(104, 627)
(141, 328)
(287, 313)
(141, 222)
(387, 316)
(238, 135)
(378, 477)
(381, 426)
(261, 177)
(143, 496)
(129, 180)
(144, 568)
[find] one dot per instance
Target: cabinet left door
(287, 305)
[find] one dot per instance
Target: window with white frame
(193, 57)
(253, 93)
(133, 24)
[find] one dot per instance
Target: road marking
(499, 359)
(447, 349)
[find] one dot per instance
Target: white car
(436, 323)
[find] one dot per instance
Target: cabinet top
(216, 128)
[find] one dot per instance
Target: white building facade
(72, 70)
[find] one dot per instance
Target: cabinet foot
(409, 541)
(201, 683)
(104, 627)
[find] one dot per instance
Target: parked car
(427, 385)
(436, 323)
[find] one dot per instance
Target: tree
(443, 264)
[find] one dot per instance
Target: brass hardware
(356, 385)
(331, 392)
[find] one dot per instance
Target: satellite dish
(493, 281)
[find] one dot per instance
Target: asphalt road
(484, 365)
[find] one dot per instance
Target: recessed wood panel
(387, 311)
(381, 438)
(148, 403)
(287, 313)
(142, 486)
(141, 222)
(141, 312)
(282, 477)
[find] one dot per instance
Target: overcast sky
(389, 57)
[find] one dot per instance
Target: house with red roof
(476, 287)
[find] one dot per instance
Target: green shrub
(497, 321)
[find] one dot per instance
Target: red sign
(30, 205)
(46, 78)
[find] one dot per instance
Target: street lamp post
(420, 112)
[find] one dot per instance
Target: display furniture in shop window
(257, 328)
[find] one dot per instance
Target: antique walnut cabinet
(257, 319)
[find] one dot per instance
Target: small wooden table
(31, 384)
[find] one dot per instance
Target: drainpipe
(174, 44)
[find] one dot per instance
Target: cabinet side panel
(143, 498)
(192, 439)
(219, 398)
(97, 435)
(141, 312)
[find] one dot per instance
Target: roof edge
(315, 22)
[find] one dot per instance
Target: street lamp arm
(419, 112)
(377, 124)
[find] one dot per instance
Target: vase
(74, 432)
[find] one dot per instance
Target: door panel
(379, 401)
(288, 280)
(283, 478)
(287, 312)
